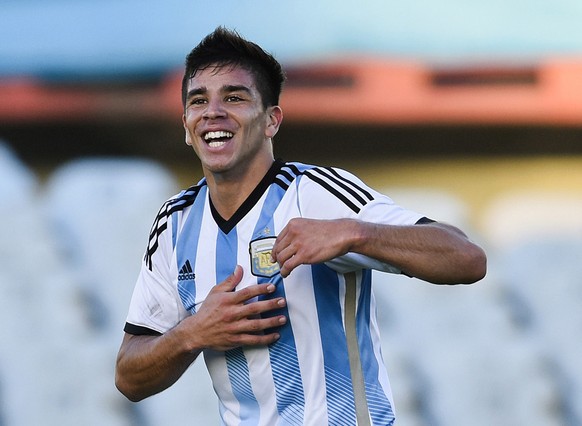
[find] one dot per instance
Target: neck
(228, 192)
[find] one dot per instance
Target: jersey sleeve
(330, 193)
(155, 305)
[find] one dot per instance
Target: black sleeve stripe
(138, 330)
(350, 193)
(342, 185)
(153, 246)
(333, 190)
(162, 214)
(287, 175)
(293, 169)
(353, 184)
(161, 222)
(284, 178)
(282, 184)
(173, 205)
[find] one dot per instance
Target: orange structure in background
(347, 91)
(406, 93)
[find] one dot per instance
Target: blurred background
(470, 112)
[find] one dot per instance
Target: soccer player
(264, 266)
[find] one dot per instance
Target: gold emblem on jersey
(260, 250)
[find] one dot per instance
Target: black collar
(227, 225)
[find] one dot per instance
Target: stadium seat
(460, 344)
(437, 204)
(101, 210)
(518, 216)
(545, 276)
(47, 348)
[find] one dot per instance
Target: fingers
(244, 323)
(255, 290)
(255, 326)
(262, 306)
(287, 268)
(287, 256)
(234, 279)
(250, 339)
(249, 328)
(229, 318)
(284, 253)
(311, 241)
(247, 293)
(298, 243)
(286, 265)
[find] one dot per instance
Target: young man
(265, 266)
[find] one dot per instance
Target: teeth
(217, 135)
(215, 144)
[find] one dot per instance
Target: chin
(216, 167)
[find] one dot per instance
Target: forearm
(435, 252)
(147, 365)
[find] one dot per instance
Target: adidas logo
(185, 272)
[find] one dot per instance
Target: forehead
(218, 77)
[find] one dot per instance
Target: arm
(147, 365)
(434, 252)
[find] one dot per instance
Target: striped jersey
(326, 368)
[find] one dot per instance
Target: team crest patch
(261, 265)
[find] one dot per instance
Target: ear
(275, 118)
(188, 141)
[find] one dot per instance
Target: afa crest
(261, 265)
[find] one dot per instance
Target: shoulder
(183, 199)
(172, 207)
(178, 202)
(336, 183)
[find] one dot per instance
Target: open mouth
(218, 138)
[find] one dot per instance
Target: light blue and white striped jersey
(327, 368)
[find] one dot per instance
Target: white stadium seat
(47, 346)
(101, 211)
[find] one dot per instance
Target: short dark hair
(223, 48)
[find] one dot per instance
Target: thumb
(230, 283)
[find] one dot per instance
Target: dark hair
(225, 48)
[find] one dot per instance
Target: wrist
(184, 340)
(359, 233)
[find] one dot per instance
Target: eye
(233, 98)
(197, 101)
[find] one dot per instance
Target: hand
(228, 319)
(310, 241)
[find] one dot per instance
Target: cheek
(191, 117)
(189, 135)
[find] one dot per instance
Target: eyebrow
(236, 88)
(195, 92)
(229, 88)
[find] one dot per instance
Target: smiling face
(227, 125)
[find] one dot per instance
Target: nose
(214, 109)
